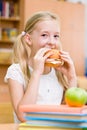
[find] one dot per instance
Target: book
(8, 8)
(25, 126)
(1, 7)
(53, 108)
(9, 33)
(5, 55)
(40, 123)
(56, 116)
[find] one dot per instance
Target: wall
(78, 1)
(72, 26)
(86, 40)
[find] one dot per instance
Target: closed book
(25, 126)
(53, 108)
(1, 7)
(5, 56)
(41, 123)
(56, 116)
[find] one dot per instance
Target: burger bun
(54, 60)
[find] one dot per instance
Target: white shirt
(50, 91)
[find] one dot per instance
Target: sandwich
(54, 60)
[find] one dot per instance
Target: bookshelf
(11, 24)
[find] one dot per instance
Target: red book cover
(53, 108)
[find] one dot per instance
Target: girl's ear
(28, 39)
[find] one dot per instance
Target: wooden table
(8, 126)
(11, 126)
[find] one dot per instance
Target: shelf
(11, 24)
(10, 19)
(6, 41)
(5, 63)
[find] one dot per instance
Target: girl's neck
(47, 70)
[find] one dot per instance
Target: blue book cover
(55, 119)
(1, 7)
(56, 116)
(56, 124)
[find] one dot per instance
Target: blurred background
(14, 14)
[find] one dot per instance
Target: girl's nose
(52, 43)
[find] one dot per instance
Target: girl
(29, 80)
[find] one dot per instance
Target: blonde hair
(22, 51)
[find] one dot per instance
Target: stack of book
(8, 34)
(9, 8)
(6, 56)
(53, 117)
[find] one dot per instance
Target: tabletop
(8, 126)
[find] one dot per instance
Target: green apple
(76, 97)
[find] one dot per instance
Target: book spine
(55, 119)
(8, 33)
(60, 109)
(6, 9)
(9, 9)
(1, 7)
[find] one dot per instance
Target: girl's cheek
(41, 44)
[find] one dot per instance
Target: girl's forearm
(73, 81)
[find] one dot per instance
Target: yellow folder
(24, 126)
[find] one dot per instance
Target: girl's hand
(67, 68)
(39, 60)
